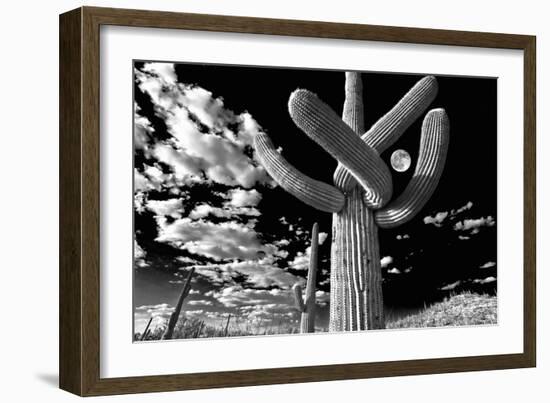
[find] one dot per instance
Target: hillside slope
(465, 309)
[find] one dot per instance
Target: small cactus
(226, 330)
(169, 332)
(360, 198)
(307, 307)
(144, 334)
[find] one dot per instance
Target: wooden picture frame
(80, 190)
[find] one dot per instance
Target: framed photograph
(249, 201)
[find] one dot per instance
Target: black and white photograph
(282, 201)
(278, 201)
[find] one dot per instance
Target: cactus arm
(392, 125)
(312, 272)
(431, 161)
(176, 314)
(319, 195)
(298, 300)
(327, 129)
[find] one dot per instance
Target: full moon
(400, 160)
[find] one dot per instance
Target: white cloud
(218, 241)
(436, 220)
(204, 210)
(160, 314)
(235, 296)
(265, 275)
(143, 133)
(486, 280)
(451, 286)
(156, 311)
(474, 224)
(488, 265)
(184, 166)
(165, 71)
(209, 110)
(139, 255)
(325, 281)
(467, 206)
(186, 259)
(386, 261)
(395, 270)
(244, 198)
(258, 273)
(194, 313)
(141, 182)
(322, 297)
(202, 302)
(301, 260)
(155, 176)
(152, 178)
(214, 274)
(163, 208)
(282, 242)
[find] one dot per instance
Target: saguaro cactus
(307, 307)
(144, 334)
(360, 197)
(226, 330)
(168, 333)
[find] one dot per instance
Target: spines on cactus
(326, 128)
(308, 307)
(169, 332)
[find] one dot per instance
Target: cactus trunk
(307, 323)
(356, 301)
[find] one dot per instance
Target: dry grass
(196, 328)
(465, 309)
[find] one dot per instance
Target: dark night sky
(447, 252)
